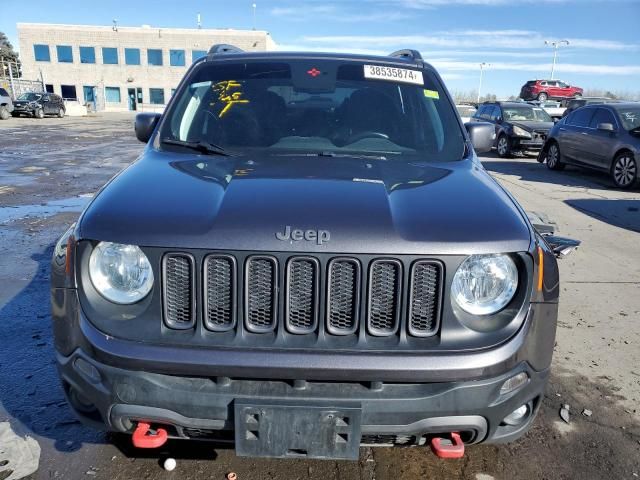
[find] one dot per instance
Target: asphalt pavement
(50, 168)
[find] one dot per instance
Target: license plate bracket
(303, 431)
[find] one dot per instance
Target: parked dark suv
(308, 256)
(38, 105)
(520, 127)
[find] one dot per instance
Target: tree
(8, 57)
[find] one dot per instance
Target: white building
(120, 68)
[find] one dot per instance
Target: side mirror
(481, 135)
(561, 246)
(606, 127)
(145, 125)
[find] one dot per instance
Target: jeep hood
(367, 206)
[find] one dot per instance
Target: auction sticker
(393, 74)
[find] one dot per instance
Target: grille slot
(302, 295)
(343, 296)
(261, 287)
(383, 313)
(219, 294)
(372, 439)
(178, 290)
(424, 300)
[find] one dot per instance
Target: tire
(542, 96)
(554, 157)
(15, 115)
(624, 170)
(61, 113)
(503, 146)
(4, 113)
(39, 113)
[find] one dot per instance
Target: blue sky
(454, 35)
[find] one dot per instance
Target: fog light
(514, 383)
(517, 416)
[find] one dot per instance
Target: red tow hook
(142, 440)
(454, 448)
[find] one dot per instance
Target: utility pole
(555, 46)
(253, 5)
(483, 65)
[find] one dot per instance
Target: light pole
(555, 46)
(253, 5)
(483, 65)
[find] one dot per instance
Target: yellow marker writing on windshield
(227, 95)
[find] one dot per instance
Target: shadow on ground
(29, 388)
(619, 213)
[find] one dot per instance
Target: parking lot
(50, 168)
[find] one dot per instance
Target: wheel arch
(619, 152)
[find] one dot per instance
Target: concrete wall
(124, 76)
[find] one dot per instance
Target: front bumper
(526, 144)
(203, 408)
(114, 383)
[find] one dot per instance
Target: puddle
(73, 204)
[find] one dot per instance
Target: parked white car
(466, 112)
(554, 109)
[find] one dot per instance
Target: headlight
(120, 273)
(484, 284)
(521, 132)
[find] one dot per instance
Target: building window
(68, 92)
(156, 96)
(154, 56)
(176, 58)
(87, 55)
(132, 56)
(109, 56)
(41, 52)
(65, 54)
(173, 91)
(196, 54)
(48, 88)
(112, 94)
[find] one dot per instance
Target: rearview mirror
(145, 125)
(481, 135)
(561, 246)
(606, 127)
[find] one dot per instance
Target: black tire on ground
(624, 170)
(542, 96)
(39, 113)
(4, 113)
(61, 113)
(14, 114)
(554, 157)
(503, 146)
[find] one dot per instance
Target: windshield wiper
(200, 146)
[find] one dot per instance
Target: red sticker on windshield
(314, 72)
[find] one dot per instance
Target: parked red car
(548, 89)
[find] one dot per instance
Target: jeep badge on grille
(295, 235)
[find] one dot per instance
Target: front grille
(179, 298)
(342, 296)
(219, 298)
(305, 301)
(423, 303)
(384, 297)
(302, 295)
(260, 294)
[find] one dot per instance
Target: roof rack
(407, 53)
(223, 48)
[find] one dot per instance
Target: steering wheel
(362, 135)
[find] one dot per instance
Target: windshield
(30, 97)
(524, 113)
(630, 117)
(315, 107)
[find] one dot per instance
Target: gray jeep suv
(6, 105)
(307, 257)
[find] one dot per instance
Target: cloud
(330, 12)
(501, 39)
(449, 65)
